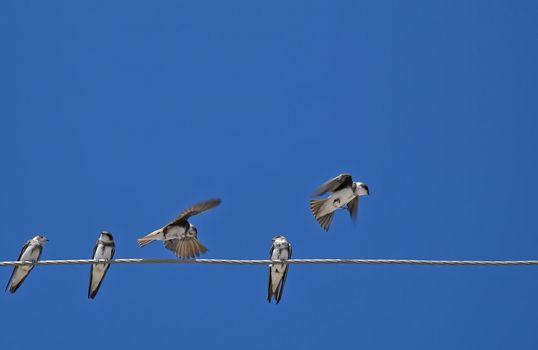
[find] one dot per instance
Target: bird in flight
(30, 252)
(180, 236)
(104, 250)
(280, 250)
(345, 194)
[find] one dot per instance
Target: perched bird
(104, 250)
(346, 193)
(280, 250)
(180, 236)
(30, 252)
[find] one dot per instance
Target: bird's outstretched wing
(195, 210)
(334, 184)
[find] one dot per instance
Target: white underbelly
(337, 200)
(175, 232)
(103, 252)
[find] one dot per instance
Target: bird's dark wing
(194, 210)
(23, 249)
(93, 293)
(113, 250)
(280, 289)
(353, 207)
(91, 269)
(269, 287)
(26, 246)
(18, 259)
(289, 251)
(95, 249)
(334, 184)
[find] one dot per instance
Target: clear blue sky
(118, 114)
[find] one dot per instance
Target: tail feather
(269, 288)
(315, 205)
(325, 221)
(186, 248)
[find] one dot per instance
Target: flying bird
(180, 236)
(280, 250)
(345, 194)
(104, 250)
(30, 252)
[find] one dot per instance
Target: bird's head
(193, 230)
(361, 189)
(279, 240)
(106, 236)
(41, 239)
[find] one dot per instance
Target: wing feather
(14, 288)
(195, 210)
(334, 184)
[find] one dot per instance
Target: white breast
(345, 196)
(103, 252)
(174, 232)
(31, 253)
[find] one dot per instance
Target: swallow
(30, 252)
(280, 250)
(345, 194)
(104, 250)
(180, 236)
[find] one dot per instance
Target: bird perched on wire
(280, 250)
(30, 252)
(180, 236)
(345, 194)
(104, 250)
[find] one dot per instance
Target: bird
(104, 250)
(280, 250)
(346, 194)
(180, 236)
(31, 251)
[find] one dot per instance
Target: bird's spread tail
(186, 248)
(316, 206)
(190, 248)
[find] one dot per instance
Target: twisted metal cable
(266, 262)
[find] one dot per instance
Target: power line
(291, 262)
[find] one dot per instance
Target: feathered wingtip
(149, 238)
(142, 242)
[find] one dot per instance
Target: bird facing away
(345, 194)
(180, 236)
(30, 252)
(280, 250)
(104, 250)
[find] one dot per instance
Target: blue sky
(117, 115)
